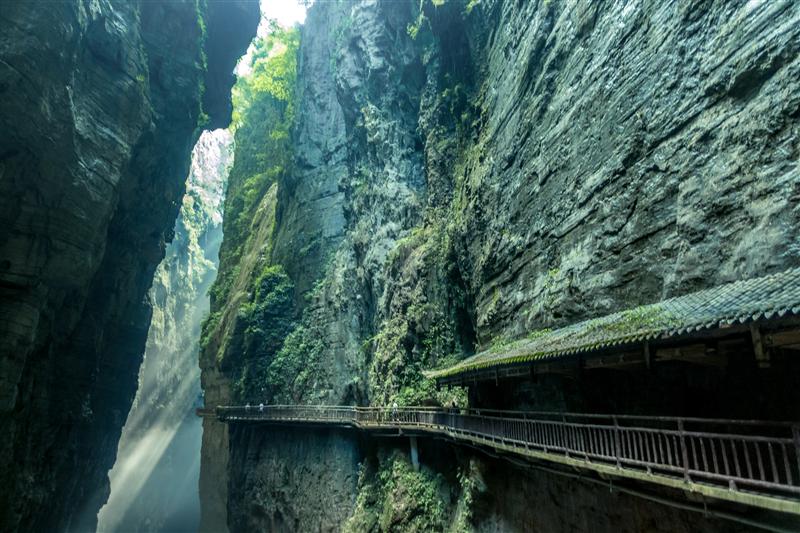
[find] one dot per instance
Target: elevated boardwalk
(744, 461)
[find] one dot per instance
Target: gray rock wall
(629, 152)
(292, 479)
(99, 108)
(480, 170)
(514, 499)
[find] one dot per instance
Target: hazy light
(154, 482)
(286, 12)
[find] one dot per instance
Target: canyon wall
(100, 105)
(467, 172)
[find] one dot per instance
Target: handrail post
(524, 427)
(796, 440)
(616, 441)
(684, 452)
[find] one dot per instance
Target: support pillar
(762, 353)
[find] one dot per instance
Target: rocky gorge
(153, 482)
(458, 174)
(414, 182)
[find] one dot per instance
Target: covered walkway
(692, 328)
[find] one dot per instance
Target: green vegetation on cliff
(266, 321)
(394, 496)
(252, 298)
(454, 186)
(426, 329)
(262, 117)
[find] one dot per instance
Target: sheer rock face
(99, 105)
(630, 153)
(514, 166)
(298, 480)
(351, 85)
(514, 499)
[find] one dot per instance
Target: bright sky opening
(286, 12)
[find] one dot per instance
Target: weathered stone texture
(514, 499)
(99, 106)
(292, 479)
(485, 171)
(630, 152)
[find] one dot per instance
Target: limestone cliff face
(642, 150)
(99, 109)
(469, 171)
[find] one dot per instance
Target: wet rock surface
(516, 499)
(643, 150)
(99, 111)
(292, 479)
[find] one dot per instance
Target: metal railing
(756, 456)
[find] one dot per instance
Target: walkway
(750, 462)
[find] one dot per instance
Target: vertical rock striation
(470, 171)
(99, 110)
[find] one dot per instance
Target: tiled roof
(776, 295)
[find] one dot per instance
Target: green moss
(269, 318)
(470, 483)
(395, 497)
(368, 501)
(266, 322)
(503, 344)
(471, 5)
(203, 120)
(422, 24)
(627, 326)
(638, 319)
(425, 333)
(414, 499)
(209, 326)
(414, 28)
(294, 365)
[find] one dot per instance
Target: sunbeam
(154, 481)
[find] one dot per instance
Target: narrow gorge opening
(154, 481)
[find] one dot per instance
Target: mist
(154, 482)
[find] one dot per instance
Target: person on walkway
(247, 406)
(261, 407)
(394, 411)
